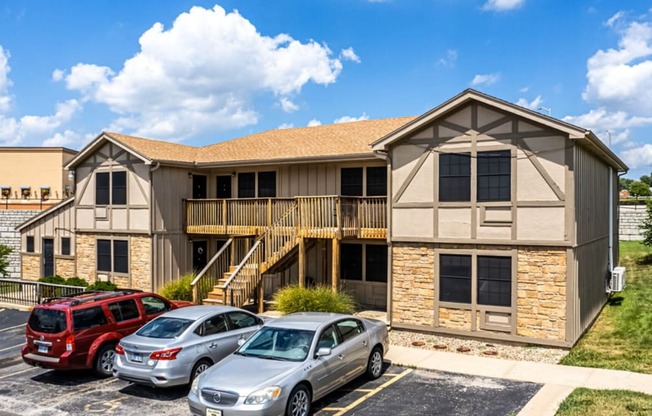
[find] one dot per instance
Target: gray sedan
(289, 363)
(179, 345)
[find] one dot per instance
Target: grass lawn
(605, 403)
(621, 337)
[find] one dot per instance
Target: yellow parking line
(12, 327)
(89, 388)
(332, 409)
(363, 390)
(18, 372)
(373, 392)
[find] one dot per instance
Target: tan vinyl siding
(592, 230)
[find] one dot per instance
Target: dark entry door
(223, 186)
(199, 255)
(198, 186)
(48, 257)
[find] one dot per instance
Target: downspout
(610, 267)
(383, 154)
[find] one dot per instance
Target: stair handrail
(194, 284)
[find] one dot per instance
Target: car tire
(375, 363)
(199, 367)
(104, 360)
(299, 402)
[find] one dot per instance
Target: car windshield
(47, 320)
(278, 344)
(164, 328)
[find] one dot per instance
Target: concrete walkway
(558, 380)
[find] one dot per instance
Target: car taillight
(70, 343)
(119, 350)
(170, 354)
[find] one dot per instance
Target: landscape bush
(109, 286)
(315, 299)
(178, 289)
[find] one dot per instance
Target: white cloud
(13, 131)
(348, 119)
(349, 55)
(66, 139)
(613, 19)
(603, 123)
(638, 157)
(202, 74)
(622, 78)
(502, 5)
(532, 105)
(5, 82)
(486, 79)
(449, 60)
(286, 126)
(58, 74)
(524, 90)
(314, 122)
(287, 105)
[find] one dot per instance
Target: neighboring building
(478, 218)
(34, 177)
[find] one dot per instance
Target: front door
(223, 187)
(199, 187)
(199, 255)
(48, 257)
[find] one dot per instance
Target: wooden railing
(317, 216)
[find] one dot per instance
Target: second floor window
(111, 188)
(353, 183)
(493, 172)
(265, 185)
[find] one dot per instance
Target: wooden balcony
(318, 216)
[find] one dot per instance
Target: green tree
(638, 189)
(647, 179)
(646, 226)
(4, 262)
(625, 183)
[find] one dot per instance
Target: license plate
(43, 349)
(213, 412)
(137, 358)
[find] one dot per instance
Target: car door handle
(364, 343)
(212, 345)
(340, 356)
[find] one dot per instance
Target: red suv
(81, 331)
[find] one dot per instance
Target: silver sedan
(289, 363)
(179, 345)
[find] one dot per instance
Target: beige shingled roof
(304, 142)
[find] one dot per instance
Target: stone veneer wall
(541, 297)
(64, 267)
(413, 292)
(455, 318)
(630, 219)
(9, 236)
(31, 266)
(140, 260)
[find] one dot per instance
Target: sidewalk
(558, 380)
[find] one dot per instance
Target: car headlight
(194, 387)
(264, 395)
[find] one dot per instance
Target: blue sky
(200, 72)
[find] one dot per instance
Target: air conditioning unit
(617, 283)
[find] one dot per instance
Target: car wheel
(104, 360)
(375, 363)
(299, 402)
(198, 368)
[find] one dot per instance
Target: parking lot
(26, 390)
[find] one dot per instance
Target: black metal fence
(29, 293)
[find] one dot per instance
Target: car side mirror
(241, 341)
(323, 352)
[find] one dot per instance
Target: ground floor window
(493, 277)
(363, 262)
(113, 256)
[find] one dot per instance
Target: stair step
(210, 301)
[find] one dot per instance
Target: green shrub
(76, 281)
(102, 286)
(49, 291)
(316, 299)
(179, 289)
(56, 279)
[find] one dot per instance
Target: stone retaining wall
(631, 217)
(9, 220)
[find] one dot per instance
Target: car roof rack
(99, 295)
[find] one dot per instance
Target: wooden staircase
(241, 284)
